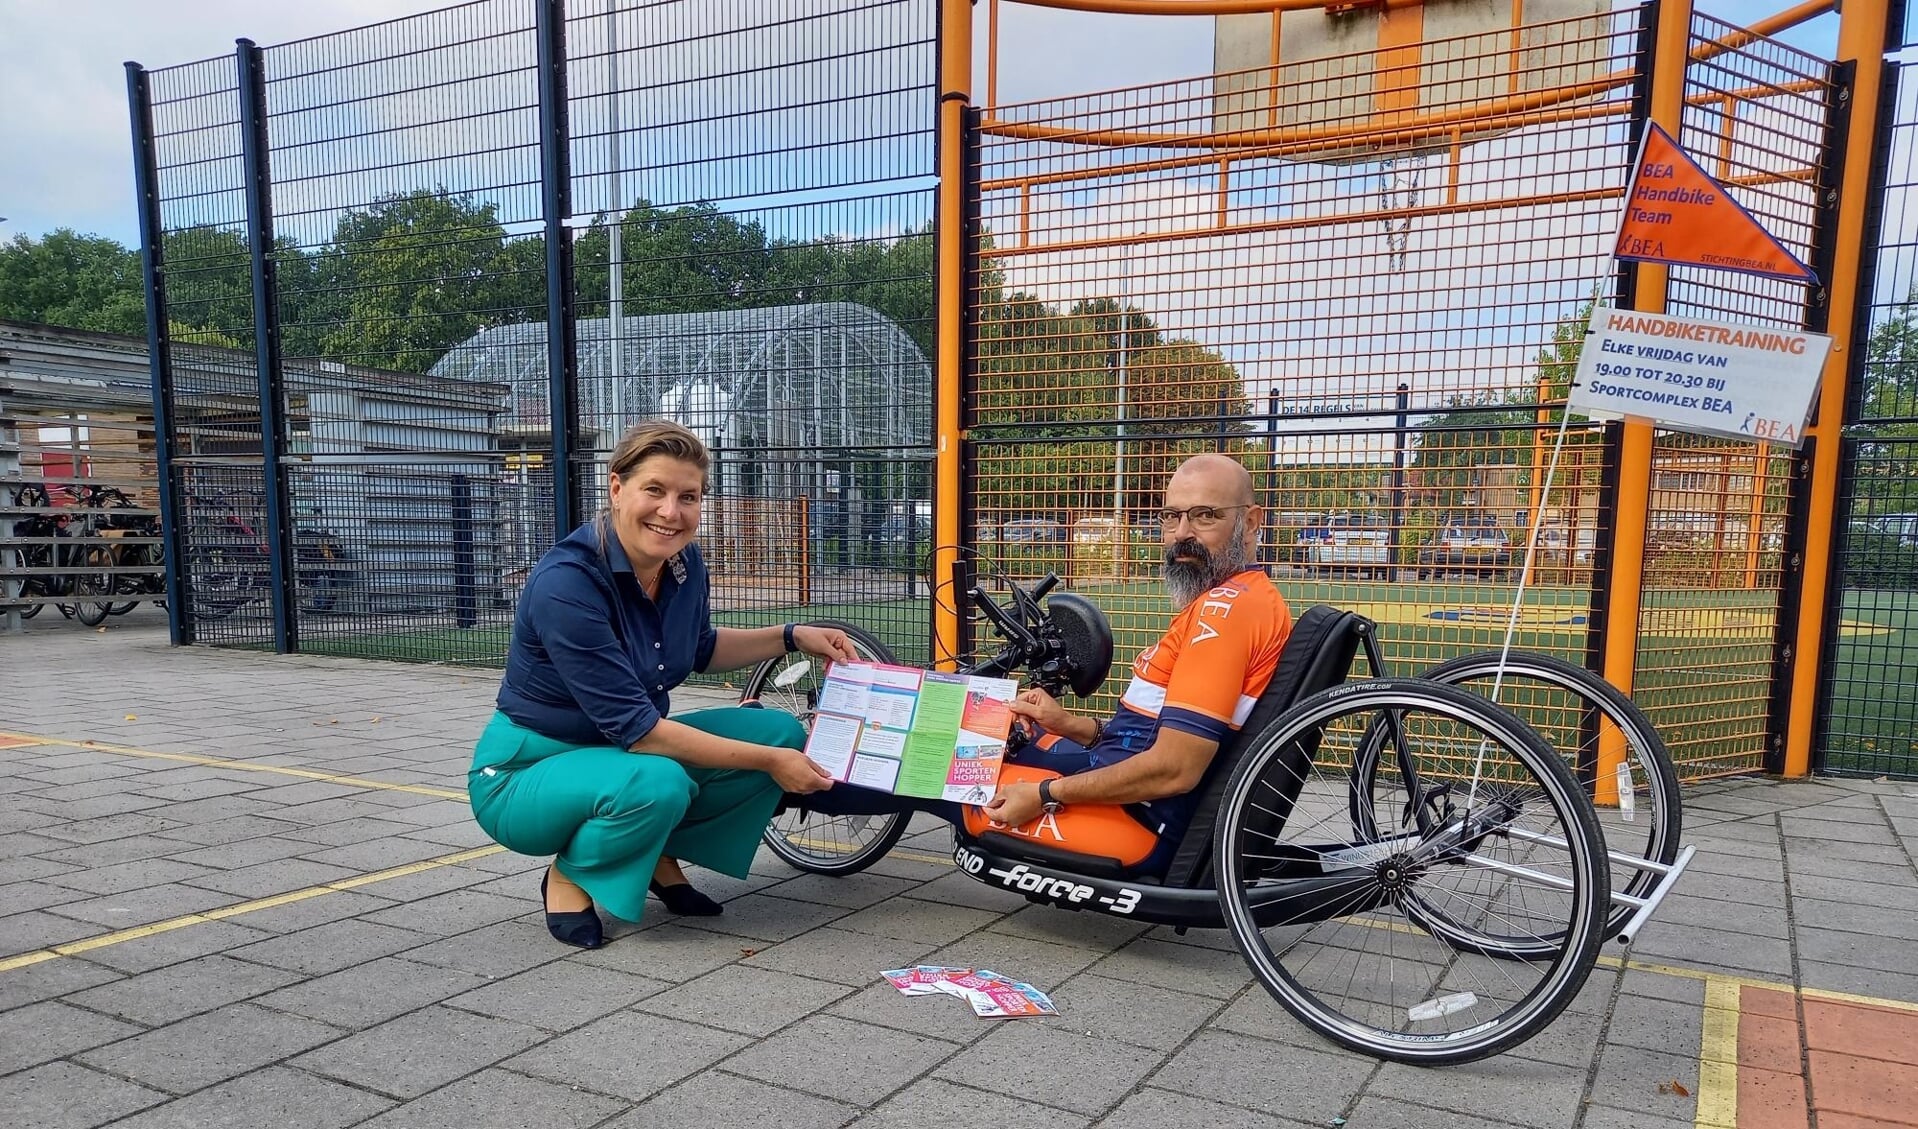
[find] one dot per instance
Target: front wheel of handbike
(812, 841)
(1584, 717)
(1328, 868)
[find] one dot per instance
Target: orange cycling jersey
(1209, 668)
(1203, 676)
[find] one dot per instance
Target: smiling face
(655, 509)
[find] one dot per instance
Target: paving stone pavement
(273, 909)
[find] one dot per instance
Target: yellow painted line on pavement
(73, 948)
(242, 766)
(1737, 981)
(1718, 1056)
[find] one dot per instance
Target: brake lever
(1009, 629)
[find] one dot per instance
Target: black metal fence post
(1798, 511)
(465, 579)
(146, 192)
(266, 347)
(556, 193)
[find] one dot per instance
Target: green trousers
(608, 814)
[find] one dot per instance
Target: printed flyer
(913, 732)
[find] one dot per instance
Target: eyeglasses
(1201, 517)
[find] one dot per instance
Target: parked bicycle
(228, 565)
(59, 546)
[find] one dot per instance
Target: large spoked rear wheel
(813, 841)
(1332, 871)
(1585, 717)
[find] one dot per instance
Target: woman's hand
(794, 771)
(825, 643)
(1042, 710)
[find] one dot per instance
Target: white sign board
(1713, 377)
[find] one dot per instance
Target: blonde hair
(641, 442)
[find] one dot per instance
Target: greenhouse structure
(795, 383)
(830, 402)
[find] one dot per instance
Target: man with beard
(1123, 787)
(1188, 691)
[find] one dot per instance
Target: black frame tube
(146, 194)
(266, 346)
(556, 198)
(1817, 318)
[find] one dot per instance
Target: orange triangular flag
(1676, 213)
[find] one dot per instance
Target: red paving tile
(1847, 1121)
(1864, 1087)
(1770, 1099)
(1753, 1000)
(1769, 1043)
(1862, 1030)
(1863, 1062)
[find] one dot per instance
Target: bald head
(1222, 481)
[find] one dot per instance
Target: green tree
(691, 259)
(411, 276)
(1890, 392)
(72, 280)
(1050, 415)
(1886, 416)
(209, 285)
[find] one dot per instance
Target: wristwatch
(1047, 804)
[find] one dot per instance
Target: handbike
(1066, 642)
(1409, 870)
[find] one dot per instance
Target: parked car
(1347, 543)
(1470, 543)
(1902, 526)
(1033, 531)
(895, 530)
(1552, 547)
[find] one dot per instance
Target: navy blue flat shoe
(580, 927)
(685, 901)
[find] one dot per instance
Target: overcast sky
(64, 149)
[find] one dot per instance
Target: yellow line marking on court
(1718, 1055)
(242, 766)
(88, 944)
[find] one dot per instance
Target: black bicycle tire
(93, 613)
(1641, 737)
(776, 840)
(1572, 963)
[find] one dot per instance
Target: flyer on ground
(913, 732)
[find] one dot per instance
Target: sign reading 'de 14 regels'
(1715, 377)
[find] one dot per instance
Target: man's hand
(825, 643)
(1015, 806)
(794, 771)
(1042, 710)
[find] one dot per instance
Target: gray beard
(1187, 580)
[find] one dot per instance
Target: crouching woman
(581, 761)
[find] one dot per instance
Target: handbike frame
(1026, 869)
